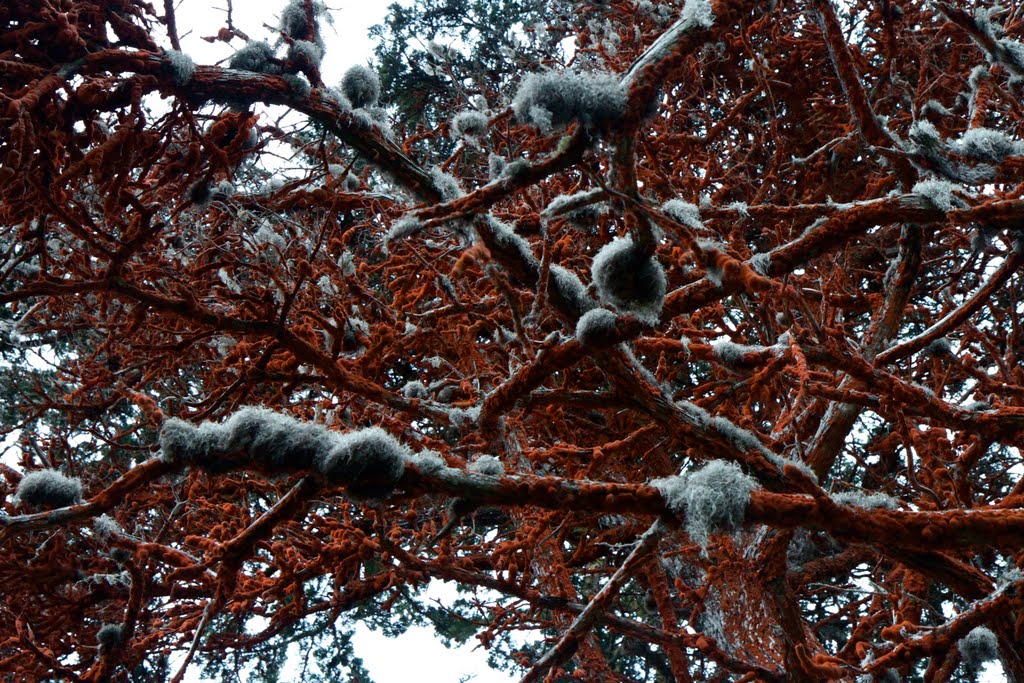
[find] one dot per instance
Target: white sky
(347, 41)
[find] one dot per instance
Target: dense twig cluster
(699, 356)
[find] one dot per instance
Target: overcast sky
(347, 40)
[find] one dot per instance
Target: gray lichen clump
(596, 327)
(48, 489)
(367, 461)
(978, 646)
(495, 166)
(361, 86)
(415, 389)
(110, 636)
(408, 225)
(566, 290)
(181, 66)
(939, 347)
(469, 124)
(938, 192)
(713, 499)
(250, 435)
(295, 20)
(370, 461)
(629, 279)
(683, 212)
(306, 51)
(698, 13)
(105, 526)
(256, 55)
(487, 464)
(987, 144)
(732, 354)
(447, 184)
(868, 501)
(553, 100)
(298, 85)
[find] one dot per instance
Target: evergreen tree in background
(683, 337)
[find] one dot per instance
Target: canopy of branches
(683, 337)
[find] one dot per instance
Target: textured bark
(829, 194)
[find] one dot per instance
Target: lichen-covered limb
(843, 223)
(866, 120)
(959, 315)
(921, 530)
(666, 637)
(569, 640)
(913, 643)
(903, 529)
(647, 75)
(900, 529)
(827, 443)
(912, 530)
(548, 361)
(988, 42)
(104, 501)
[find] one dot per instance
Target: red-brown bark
(851, 283)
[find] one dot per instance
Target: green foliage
(324, 654)
(436, 55)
